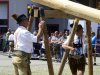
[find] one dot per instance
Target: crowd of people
(55, 40)
(6, 40)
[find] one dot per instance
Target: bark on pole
(73, 8)
(29, 28)
(30, 23)
(66, 53)
(47, 45)
(88, 32)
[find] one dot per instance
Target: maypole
(47, 45)
(88, 32)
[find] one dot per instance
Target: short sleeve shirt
(75, 42)
(23, 40)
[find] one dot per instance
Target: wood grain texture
(73, 8)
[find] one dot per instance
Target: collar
(22, 27)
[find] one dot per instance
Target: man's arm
(40, 31)
(65, 46)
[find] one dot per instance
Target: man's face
(56, 33)
(80, 32)
(25, 22)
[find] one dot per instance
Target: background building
(4, 15)
(20, 7)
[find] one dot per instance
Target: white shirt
(23, 40)
(76, 42)
(43, 45)
(54, 39)
(11, 37)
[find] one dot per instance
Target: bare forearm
(67, 47)
(40, 33)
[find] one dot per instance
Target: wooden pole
(88, 32)
(36, 17)
(73, 8)
(29, 28)
(66, 53)
(47, 45)
(31, 18)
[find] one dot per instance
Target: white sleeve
(29, 37)
(66, 41)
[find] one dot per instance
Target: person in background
(93, 41)
(7, 42)
(51, 43)
(55, 44)
(67, 33)
(60, 41)
(11, 43)
(43, 49)
(23, 45)
(35, 33)
(4, 42)
(1, 41)
(36, 46)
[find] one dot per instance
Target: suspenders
(79, 47)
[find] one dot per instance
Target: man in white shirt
(23, 45)
(76, 55)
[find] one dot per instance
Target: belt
(20, 53)
(76, 56)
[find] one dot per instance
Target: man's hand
(41, 24)
(72, 49)
(41, 28)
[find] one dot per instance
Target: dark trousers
(77, 64)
